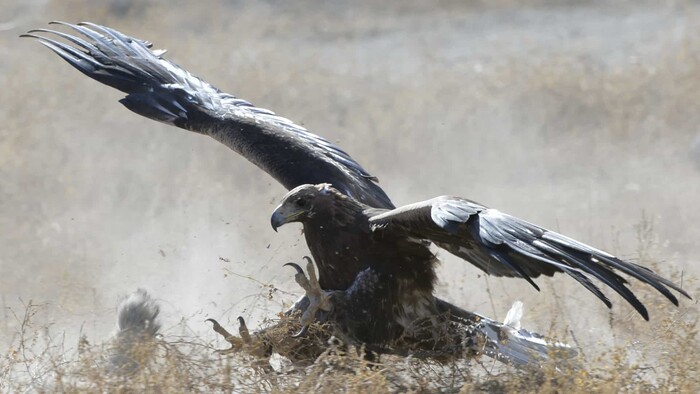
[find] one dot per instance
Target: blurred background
(580, 117)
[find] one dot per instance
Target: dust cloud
(579, 118)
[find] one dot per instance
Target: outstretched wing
(161, 90)
(503, 245)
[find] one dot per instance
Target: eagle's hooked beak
(283, 215)
(277, 220)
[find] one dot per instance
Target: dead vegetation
(660, 356)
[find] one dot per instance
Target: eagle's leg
(318, 299)
(237, 343)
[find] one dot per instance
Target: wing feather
(161, 90)
(503, 245)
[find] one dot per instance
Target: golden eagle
(373, 258)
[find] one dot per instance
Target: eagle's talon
(317, 298)
(302, 333)
(311, 269)
(296, 267)
(236, 343)
(243, 331)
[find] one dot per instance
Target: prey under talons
(318, 299)
(237, 343)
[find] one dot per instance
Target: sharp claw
(316, 296)
(302, 333)
(219, 329)
(296, 267)
(235, 344)
(243, 330)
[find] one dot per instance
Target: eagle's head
(304, 202)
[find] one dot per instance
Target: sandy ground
(578, 118)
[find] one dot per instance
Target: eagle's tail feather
(511, 344)
(506, 341)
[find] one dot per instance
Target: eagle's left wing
(161, 90)
(503, 245)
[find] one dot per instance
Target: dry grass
(662, 356)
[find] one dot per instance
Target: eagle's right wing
(503, 245)
(161, 90)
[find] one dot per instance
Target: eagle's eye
(301, 203)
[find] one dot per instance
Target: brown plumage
(395, 244)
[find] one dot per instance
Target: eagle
(375, 265)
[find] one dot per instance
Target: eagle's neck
(339, 210)
(338, 237)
